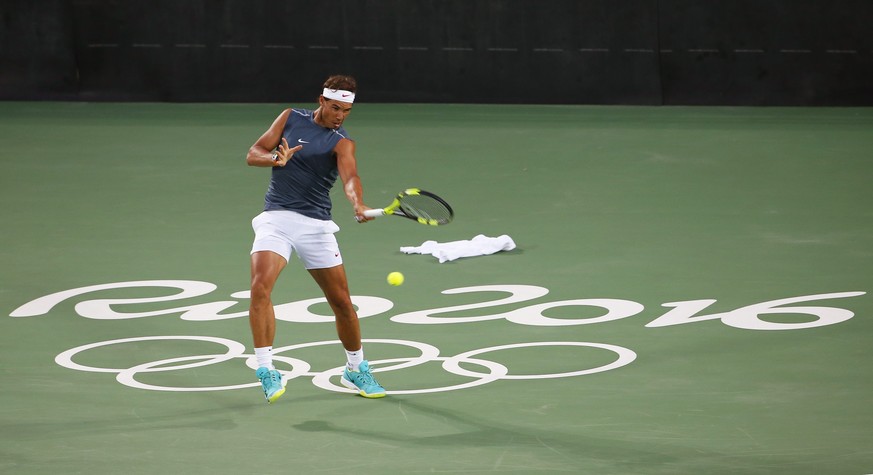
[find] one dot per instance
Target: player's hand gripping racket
(417, 205)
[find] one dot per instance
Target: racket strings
(426, 207)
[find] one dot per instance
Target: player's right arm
(261, 153)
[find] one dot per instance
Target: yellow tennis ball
(395, 278)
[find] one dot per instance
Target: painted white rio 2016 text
(748, 317)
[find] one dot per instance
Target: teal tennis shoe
(271, 380)
(363, 381)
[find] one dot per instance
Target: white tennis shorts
(284, 232)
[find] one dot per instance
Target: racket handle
(373, 213)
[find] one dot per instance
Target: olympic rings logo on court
(493, 371)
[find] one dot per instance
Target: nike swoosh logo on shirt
(302, 141)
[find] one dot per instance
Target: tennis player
(307, 150)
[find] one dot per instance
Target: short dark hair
(338, 81)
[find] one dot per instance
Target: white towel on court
(448, 251)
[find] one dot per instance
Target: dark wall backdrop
(734, 52)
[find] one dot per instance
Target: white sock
(265, 357)
(354, 358)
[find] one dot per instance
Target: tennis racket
(417, 205)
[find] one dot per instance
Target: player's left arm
(347, 165)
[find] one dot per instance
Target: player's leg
(335, 286)
(271, 251)
(266, 267)
(357, 375)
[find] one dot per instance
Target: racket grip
(373, 213)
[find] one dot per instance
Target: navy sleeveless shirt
(303, 184)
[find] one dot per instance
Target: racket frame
(395, 210)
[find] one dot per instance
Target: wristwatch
(275, 157)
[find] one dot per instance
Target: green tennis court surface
(689, 295)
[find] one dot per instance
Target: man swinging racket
(307, 150)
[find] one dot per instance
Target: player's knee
(344, 309)
(261, 289)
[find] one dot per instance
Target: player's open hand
(284, 153)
